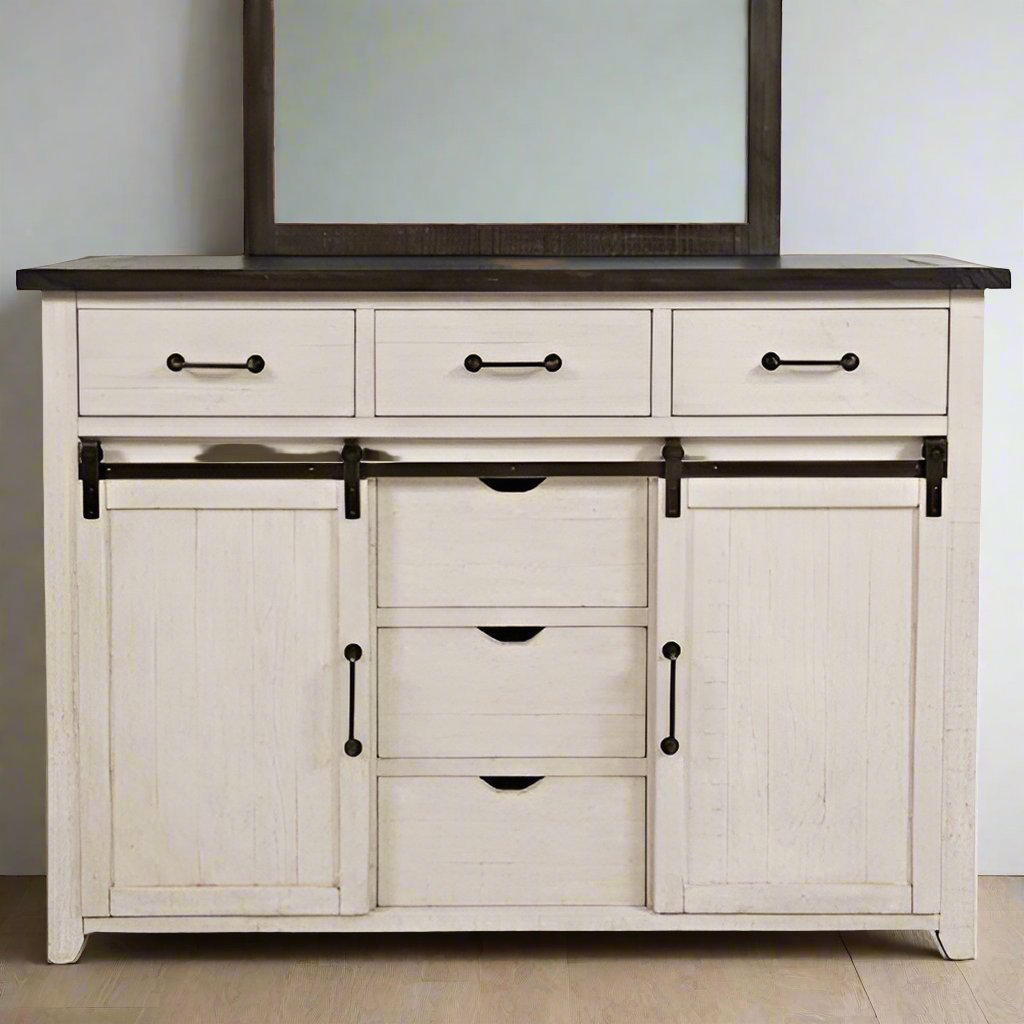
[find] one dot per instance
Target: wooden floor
(495, 979)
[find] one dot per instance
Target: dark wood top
(474, 274)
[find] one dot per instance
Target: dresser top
(510, 274)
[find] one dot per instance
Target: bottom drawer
(507, 841)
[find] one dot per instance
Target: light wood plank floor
(500, 979)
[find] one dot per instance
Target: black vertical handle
(669, 745)
(353, 652)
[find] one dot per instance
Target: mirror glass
(510, 111)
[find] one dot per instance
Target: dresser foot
(956, 943)
(66, 947)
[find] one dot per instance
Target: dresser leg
(65, 945)
(957, 943)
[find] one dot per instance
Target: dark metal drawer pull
(511, 782)
(176, 362)
(474, 363)
(669, 745)
(511, 634)
(353, 652)
(772, 361)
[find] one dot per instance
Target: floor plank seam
(864, 988)
(974, 995)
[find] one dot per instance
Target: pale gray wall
(121, 129)
(120, 132)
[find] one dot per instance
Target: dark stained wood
(764, 128)
(759, 234)
(469, 274)
(258, 118)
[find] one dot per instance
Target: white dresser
(474, 595)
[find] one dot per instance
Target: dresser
(451, 594)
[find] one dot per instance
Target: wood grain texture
(457, 692)
(479, 979)
(716, 361)
(563, 841)
(223, 674)
(538, 275)
(962, 502)
(568, 542)
(801, 689)
(309, 354)
(61, 510)
(605, 371)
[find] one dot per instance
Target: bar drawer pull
(514, 783)
(474, 363)
(353, 652)
(771, 361)
(176, 362)
(670, 745)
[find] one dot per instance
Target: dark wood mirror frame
(758, 235)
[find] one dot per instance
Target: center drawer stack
(512, 640)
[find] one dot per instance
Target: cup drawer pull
(474, 363)
(511, 634)
(176, 362)
(511, 783)
(512, 484)
(771, 361)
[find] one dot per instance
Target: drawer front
(560, 842)
(308, 355)
(604, 362)
(556, 692)
(458, 543)
(901, 362)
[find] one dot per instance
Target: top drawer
(603, 365)
(900, 365)
(308, 362)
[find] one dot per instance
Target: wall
(120, 123)
(903, 132)
(121, 128)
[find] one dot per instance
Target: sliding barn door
(215, 695)
(810, 675)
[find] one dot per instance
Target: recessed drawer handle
(772, 361)
(516, 783)
(353, 652)
(551, 363)
(511, 634)
(176, 362)
(512, 484)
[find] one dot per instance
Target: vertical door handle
(353, 652)
(669, 745)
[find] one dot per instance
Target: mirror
(511, 126)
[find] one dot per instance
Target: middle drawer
(560, 691)
(570, 362)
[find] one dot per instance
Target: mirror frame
(758, 235)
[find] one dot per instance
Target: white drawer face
(900, 365)
(560, 842)
(600, 362)
(308, 362)
(511, 692)
(569, 542)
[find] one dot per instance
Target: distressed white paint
(825, 692)
(459, 842)
(566, 692)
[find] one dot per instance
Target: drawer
(717, 362)
(562, 841)
(568, 542)
(603, 362)
(563, 691)
(308, 355)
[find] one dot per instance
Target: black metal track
(352, 468)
